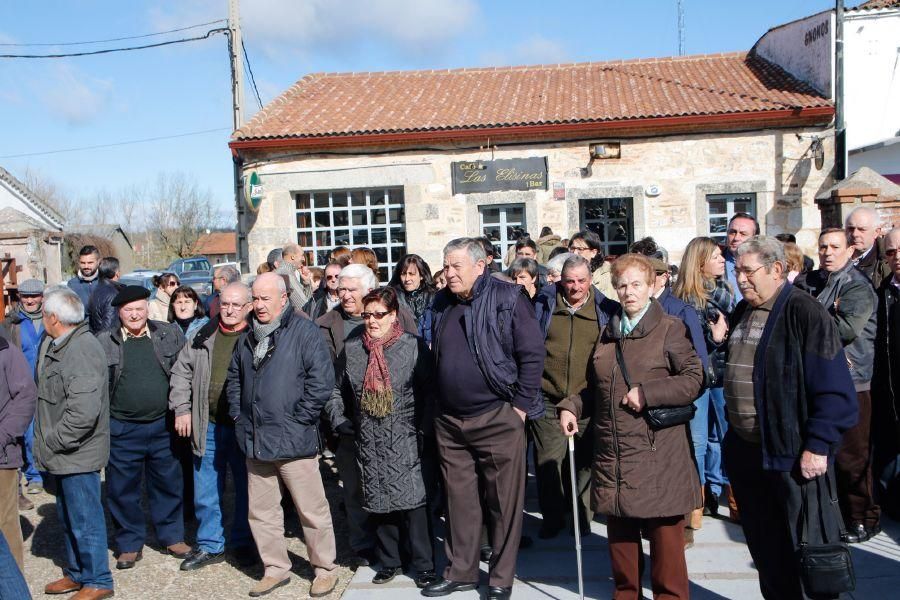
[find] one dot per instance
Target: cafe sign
(253, 191)
(499, 175)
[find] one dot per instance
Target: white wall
(884, 160)
(9, 197)
(803, 48)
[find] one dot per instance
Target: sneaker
(323, 585)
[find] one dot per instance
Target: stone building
(406, 161)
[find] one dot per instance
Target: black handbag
(826, 569)
(658, 417)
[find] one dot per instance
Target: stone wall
(775, 164)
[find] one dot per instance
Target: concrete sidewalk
(719, 566)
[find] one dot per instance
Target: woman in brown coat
(643, 479)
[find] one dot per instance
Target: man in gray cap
(140, 354)
(24, 328)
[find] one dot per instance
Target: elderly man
(789, 398)
(279, 379)
(345, 320)
(847, 294)
(864, 230)
(140, 355)
(490, 356)
(222, 276)
(741, 227)
(102, 315)
(17, 400)
(86, 278)
(71, 441)
(326, 297)
(571, 313)
(197, 398)
(24, 328)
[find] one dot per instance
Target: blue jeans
(83, 523)
(700, 433)
(718, 425)
(28, 469)
(210, 470)
(12, 583)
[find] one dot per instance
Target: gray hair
(64, 304)
(472, 247)
(769, 250)
(362, 272)
(557, 263)
(573, 262)
(229, 272)
(873, 215)
(243, 288)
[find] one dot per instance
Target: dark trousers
(668, 568)
(412, 527)
(552, 470)
(140, 451)
(80, 514)
(770, 504)
(492, 444)
(853, 468)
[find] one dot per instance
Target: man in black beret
(140, 354)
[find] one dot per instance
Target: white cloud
(74, 96)
(535, 50)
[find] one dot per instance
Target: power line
(118, 39)
(109, 50)
(252, 78)
(141, 141)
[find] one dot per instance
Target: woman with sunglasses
(384, 388)
(165, 284)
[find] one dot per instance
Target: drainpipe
(840, 130)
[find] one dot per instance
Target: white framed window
(374, 218)
(612, 219)
(503, 225)
(720, 209)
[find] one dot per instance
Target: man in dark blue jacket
(789, 398)
(87, 277)
(490, 356)
(280, 377)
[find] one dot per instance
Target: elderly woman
(165, 284)
(524, 271)
(384, 386)
(186, 309)
(644, 478)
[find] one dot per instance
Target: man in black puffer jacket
(280, 377)
(102, 315)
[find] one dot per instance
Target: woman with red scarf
(384, 384)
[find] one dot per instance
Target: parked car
(143, 278)
(200, 280)
(194, 263)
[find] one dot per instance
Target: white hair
(556, 263)
(362, 272)
(868, 211)
(64, 304)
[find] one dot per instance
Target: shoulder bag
(826, 569)
(658, 417)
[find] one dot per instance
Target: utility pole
(680, 27)
(235, 48)
(840, 129)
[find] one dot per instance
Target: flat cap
(659, 266)
(31, 287)
(130, 293)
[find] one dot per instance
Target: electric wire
(252, 78)
(114, 144)
(126, 49)
(118, 39)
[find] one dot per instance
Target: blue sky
(56, 104)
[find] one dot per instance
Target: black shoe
(445, 586)
(855, 534)
(425, 578)
(486, 553)
(126, 560)
(549, 530)
(711, 505)
(201, 558)
(386, 574)
(498, 593)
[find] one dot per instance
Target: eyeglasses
(748, 273)
(172, 284)
(330, 277)
(233, 305)
(578, 248)
(379, 315)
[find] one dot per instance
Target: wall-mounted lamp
(601, 151)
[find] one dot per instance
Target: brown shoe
(323, 585)
(180, 550)
(62, 586)
(267, 585)
(91, 593)
(733, 514)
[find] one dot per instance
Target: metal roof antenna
(680, 27)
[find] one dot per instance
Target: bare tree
(48, 190)
(178, 213)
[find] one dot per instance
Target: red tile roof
(352, 104)
(877, 4)
(216, 243)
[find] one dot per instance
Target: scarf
(627, 324)
(261, 333)
(88, 279)
(377, 395)
(33, 316)
(417, 300)
(297, 292)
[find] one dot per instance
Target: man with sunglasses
(326, 297)
(197, 397)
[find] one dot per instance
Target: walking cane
(575, 519)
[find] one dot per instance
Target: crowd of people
(743, 376)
